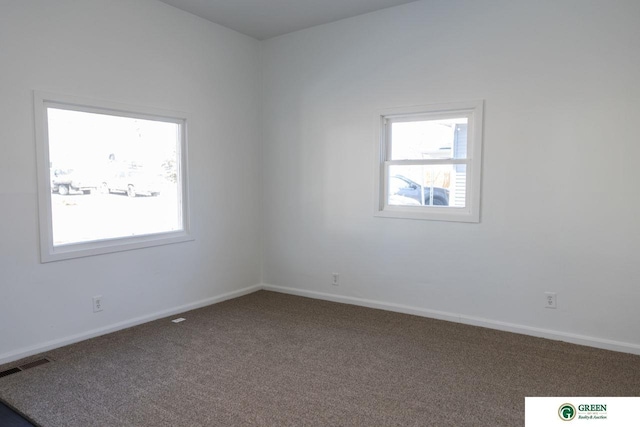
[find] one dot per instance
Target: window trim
(49, 252)
(474, 111)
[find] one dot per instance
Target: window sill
(428, 214)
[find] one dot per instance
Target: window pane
(112, 176)
(427, 185)
(429, 139)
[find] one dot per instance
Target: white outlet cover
(335, 278)
(550, 300)
(97, 303)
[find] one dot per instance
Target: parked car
(133, 183)
(398, 200)
(402, 186)
(65, 181)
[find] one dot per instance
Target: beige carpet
(270, 359)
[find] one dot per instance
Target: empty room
(319, 213)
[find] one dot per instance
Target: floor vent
(24, 367)
(9, 372)
(34, 364)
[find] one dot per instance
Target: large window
(429, 162)
(110, 177)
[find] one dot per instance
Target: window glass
(429, 139)
(112, 176)
(434, 185)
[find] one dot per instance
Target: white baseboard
(469, 320)
(49, 345)
(451, 317)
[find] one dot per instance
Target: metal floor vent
(9, 372)
(24, 367)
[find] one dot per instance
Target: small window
(429, 162)
(110, 177)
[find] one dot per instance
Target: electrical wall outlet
(97, 303)
(550, 300)
(335, 277)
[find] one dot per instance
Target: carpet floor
(269, 359)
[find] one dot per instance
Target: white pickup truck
(66, 181)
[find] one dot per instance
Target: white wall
(139, 52)
(560, 206)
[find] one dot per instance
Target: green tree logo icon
(567, 412)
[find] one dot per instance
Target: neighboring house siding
(459, 150)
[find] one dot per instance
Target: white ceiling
(263, 19)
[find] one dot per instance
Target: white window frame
(49, 252)
(473, 111)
